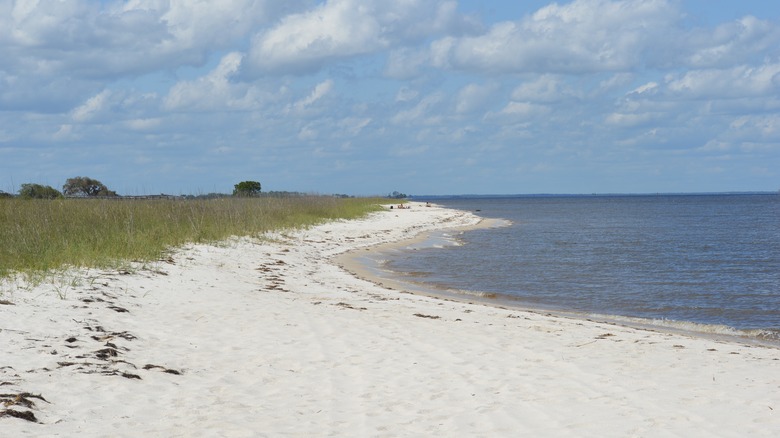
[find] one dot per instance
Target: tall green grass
(43, 235)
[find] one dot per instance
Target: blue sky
(368, 97)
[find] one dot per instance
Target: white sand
(274, 339)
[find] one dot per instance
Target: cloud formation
(369, 96)
(338, 30)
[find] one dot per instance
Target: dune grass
(44, 235)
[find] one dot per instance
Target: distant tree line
(85, 187)
(78, 187)
(397, 195)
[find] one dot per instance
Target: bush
(84, 186)
(38, 191)
(246, 188)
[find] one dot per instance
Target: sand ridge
(273, 338)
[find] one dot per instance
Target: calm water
(704, 259)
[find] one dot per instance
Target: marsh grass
(46, 235)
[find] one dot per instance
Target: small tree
(84, 186)
(246, 188)
(37, 191)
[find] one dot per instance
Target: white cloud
(334, 29)
(524, 109)
(65, 131)
(307, 133)
(92, 107)
(616, 81)
(144, 124)
(353, 125)
(648, 88)
(747, 134)
(630, 120)
(546, 89)
(739, 81)
(419, 112)
(58, 52)
(587, 36)
(319, 91)
(474, 97)
(731, 43)
(517, 113)
(764, 128)
(215, 90)
(339, 29)
(208, 23)
(582, 36)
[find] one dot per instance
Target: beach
(274, 337)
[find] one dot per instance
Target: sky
(367, 97)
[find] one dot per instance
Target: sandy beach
(274, 337)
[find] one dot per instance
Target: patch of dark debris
(11, 405)
(85, 348)
(163, 369)
(349, 306)
(100, 368)
(106, 357)
(106, 300)
(274, 282)
(118, 309)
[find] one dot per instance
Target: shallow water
(709, 261)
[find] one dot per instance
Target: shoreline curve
(356, 263)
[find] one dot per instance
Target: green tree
(246, 188)
(84, 186)
(37, 191)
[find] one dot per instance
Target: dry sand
(273, 338)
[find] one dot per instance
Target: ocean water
(702, 262)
